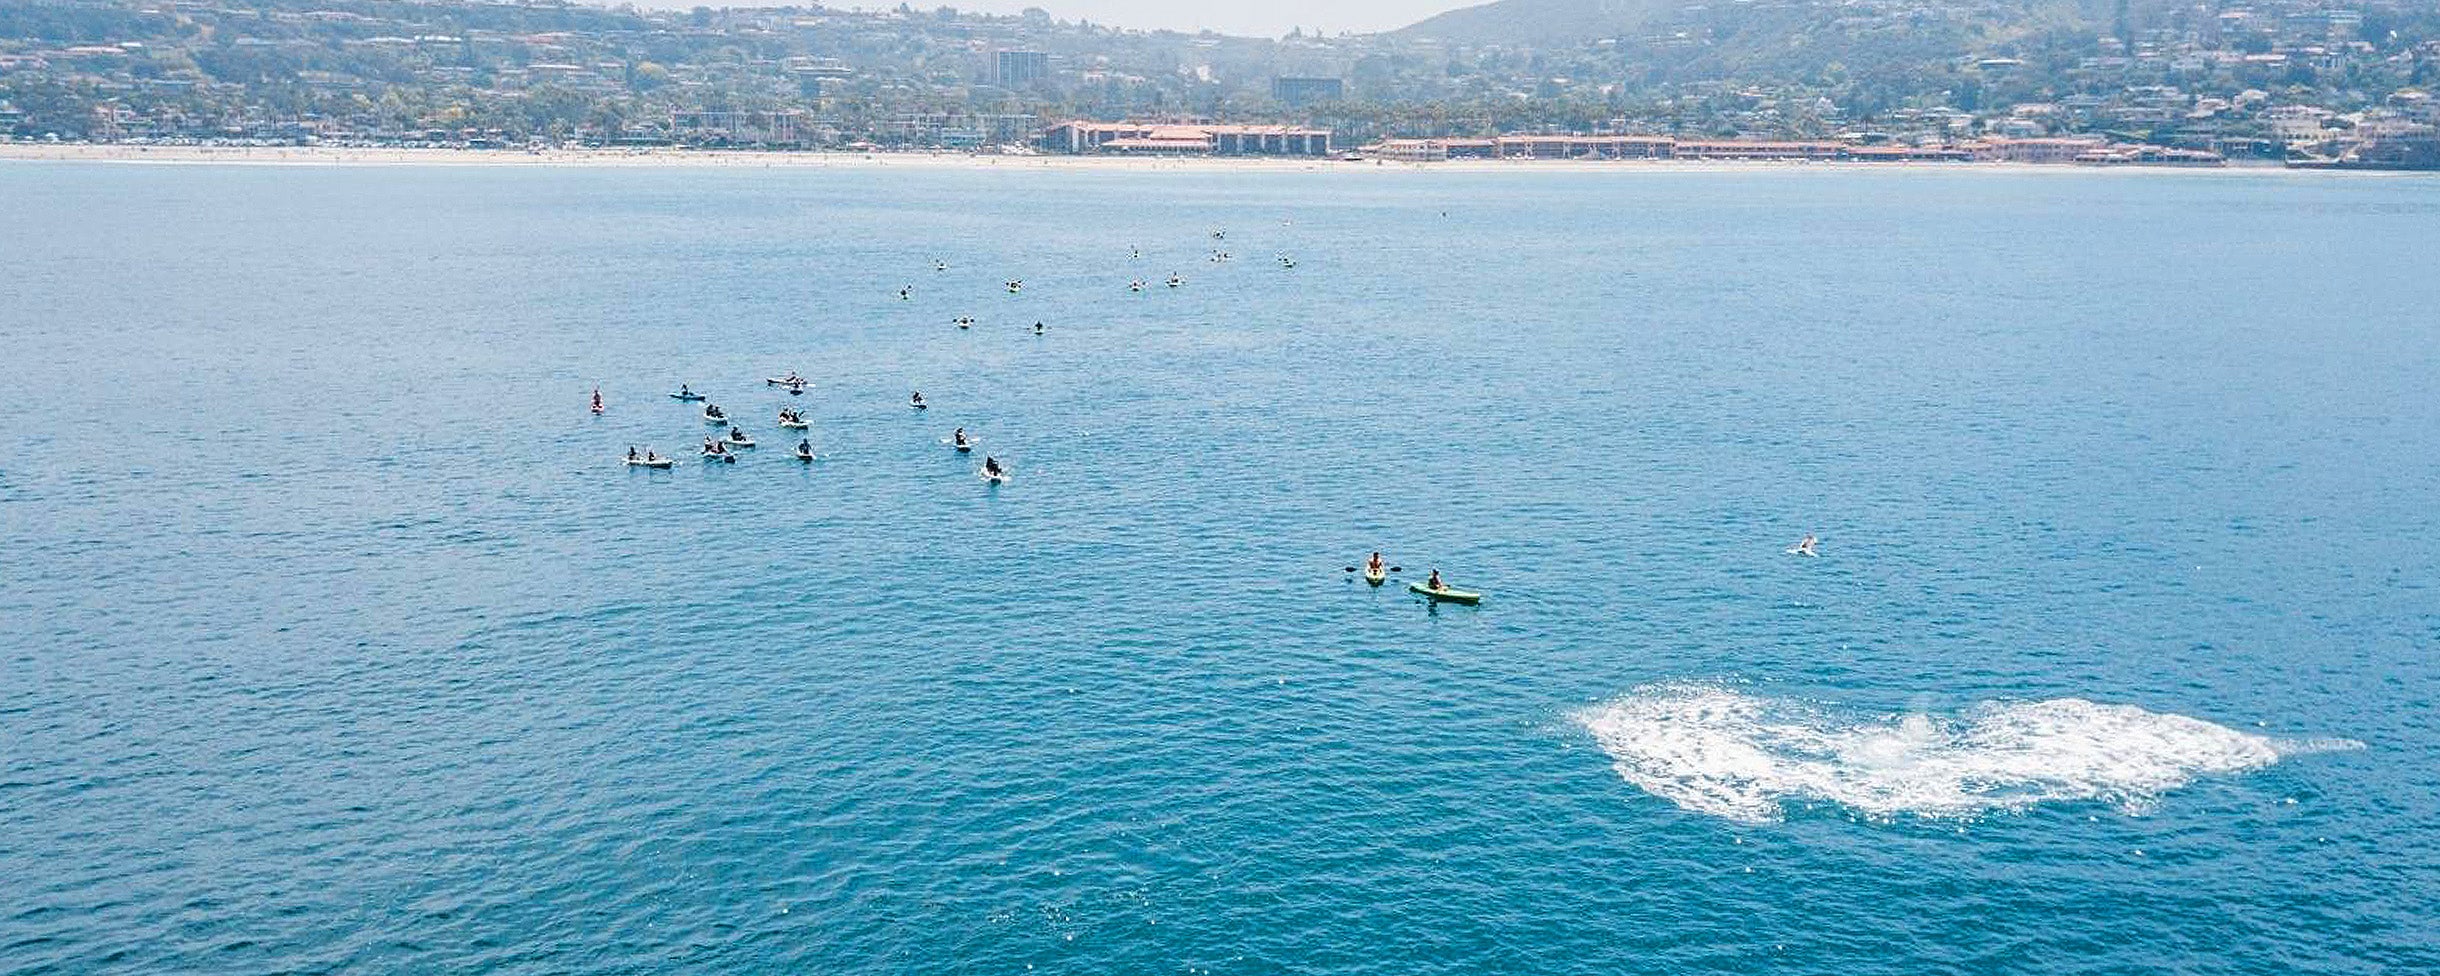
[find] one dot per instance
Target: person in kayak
(958, 437)
(805, 446)
(1805, 546)
(916, 399)
(631, 452)
(1373, 565)
(684, 392)
(1434, 583)
(991, 466)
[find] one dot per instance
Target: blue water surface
(335, 638)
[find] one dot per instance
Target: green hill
(1540, 23)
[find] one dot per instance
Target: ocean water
(335, 638)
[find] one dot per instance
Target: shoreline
(766, 159)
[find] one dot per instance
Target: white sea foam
(1712, 749)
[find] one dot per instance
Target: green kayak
(1452, 596)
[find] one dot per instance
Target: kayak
(1452, 596)
(919, 405)
(715, 417)
(686, 396)
(997, 479)
(777, 381)
(1376, 576)
(720, 456)
(797, 424)
(651, 462)
(735, 441)
(963, 448)
(804, 455)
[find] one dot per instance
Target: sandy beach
(655, 157)
(754, 159)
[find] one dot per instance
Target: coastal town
(2346, 84)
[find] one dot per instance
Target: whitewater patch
(1712, 749)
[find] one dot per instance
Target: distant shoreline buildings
(2085, 150)
(2342, 84)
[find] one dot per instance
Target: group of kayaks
(724, 446)
(1433, 589)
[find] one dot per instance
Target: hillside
(1539, 23)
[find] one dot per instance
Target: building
(1017, 69)
(1197, 139)
(2063, 149)
(1582, 147)
(1433, 150)
(1742, 149)
(953, 130)
(1299, 92)
(736, 128)
(2147, 155)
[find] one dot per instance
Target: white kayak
(720, 456)
(998, 479)
(735, 441)
(797, 424)
(652, 462)
(715, 417)
(804, 455)
(782, 381)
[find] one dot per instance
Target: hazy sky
(1264, 18)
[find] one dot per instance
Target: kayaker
(1805, 547)
(631, 453)
(683, 391)
(917, 399)
(991, 466)
(1373, 565)
(805, 446)
(1434, 583)
(958, 437)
